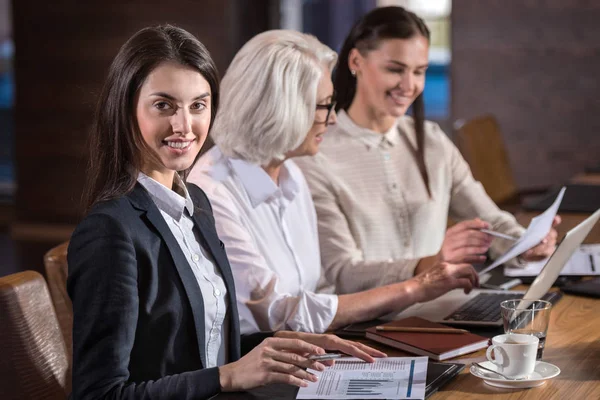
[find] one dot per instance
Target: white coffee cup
(514, 354)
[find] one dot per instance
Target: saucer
(541, 373)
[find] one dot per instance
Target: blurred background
(531, 64)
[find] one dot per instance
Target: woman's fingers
(277, 377)
(466, 271)
(556, 221)
(467, 255)
(291, 369)
(295, 346)
(471, 259)
(295, 360)
(352, 348)
(471, 238)
(370, 350)
(473, 224)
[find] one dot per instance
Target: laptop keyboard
(485, 307)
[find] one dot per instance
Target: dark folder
(438, 374)
(578, 198)
(590, 288)
(593, 169)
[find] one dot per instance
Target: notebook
(438, 346)
(358, 329)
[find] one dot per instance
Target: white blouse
(376, 219)
(270, 235)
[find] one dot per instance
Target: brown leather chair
(55, 262)
(481, 144)
(33, 359)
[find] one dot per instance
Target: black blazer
(138, 328)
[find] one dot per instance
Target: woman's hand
(465, 243)
(275, 360)
(333, 342)
(546, 246)
(442, 278)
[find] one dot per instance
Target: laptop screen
(559, 258)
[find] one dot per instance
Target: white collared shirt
(173, 206)
(270, 235)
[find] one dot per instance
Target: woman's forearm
(374, 303)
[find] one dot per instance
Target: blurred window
(331, 20)
(7, 176)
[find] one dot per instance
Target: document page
(585, 261)
(537, 230)
(386, 378)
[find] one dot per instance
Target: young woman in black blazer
(145, 326)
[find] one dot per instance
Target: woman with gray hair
(277, 100)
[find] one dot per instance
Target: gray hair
(268, 95)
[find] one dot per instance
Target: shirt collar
(259, 185)
(367, 136)
(173, 202)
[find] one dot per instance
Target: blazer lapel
(141, 200)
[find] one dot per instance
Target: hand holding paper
(538, 229)
(546, 247)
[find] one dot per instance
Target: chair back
(33, 361)
(55, 263)
(481, 144)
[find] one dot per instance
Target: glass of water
(530, 317)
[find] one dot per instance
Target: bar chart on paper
(369, 387)
(386, 378)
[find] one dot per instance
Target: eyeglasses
(329, 107)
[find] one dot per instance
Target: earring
(353, 72)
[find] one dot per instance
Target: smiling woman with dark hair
(384, 182)
(154, 303)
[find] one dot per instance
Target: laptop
(481, 307)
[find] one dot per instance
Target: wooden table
(573, 344)
(587, 179)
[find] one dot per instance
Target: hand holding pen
(466, 243)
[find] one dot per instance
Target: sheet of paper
(537, 230)
(585, 261)
(386, 378)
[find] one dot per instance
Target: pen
(499, 235)
(423, 330)
(324, 357)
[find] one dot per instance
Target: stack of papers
(585, 261)
(386, 378)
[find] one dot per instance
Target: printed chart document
(585, 261)
(537, 230)
(386, 378)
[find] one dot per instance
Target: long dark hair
(366, 35)
(117, 149)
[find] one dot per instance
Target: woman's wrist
(413, 289)
(225, 377)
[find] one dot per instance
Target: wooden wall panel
(534, 65)
(63, 50)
